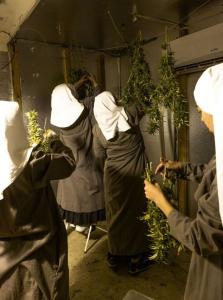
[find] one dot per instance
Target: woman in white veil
(203, 235)
(33, 241)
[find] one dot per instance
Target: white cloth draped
(65, 108)
(110, 117)
(14, 147)
(208, 95)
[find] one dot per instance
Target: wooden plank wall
(5, 82)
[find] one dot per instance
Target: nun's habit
(33, 243)
(80, 196)
(118, 146)
(204, 234)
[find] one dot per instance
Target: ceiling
(12, 15)
(97, 24)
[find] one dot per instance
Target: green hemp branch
(35, 132)
(168, 93)
(152, 100)
(158, 229)
(140, 87)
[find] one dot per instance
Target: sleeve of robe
(28, 194)
(59, 163)
(204, 234)
(134, 114)
(193, 172)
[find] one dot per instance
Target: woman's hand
(153, 191)
(155, 194)
(49, 136)
(92, 79)
(81, 81)
(49, 133)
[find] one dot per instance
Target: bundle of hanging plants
(139, 85)
(168, 93)
(161, 242)
(36, 135)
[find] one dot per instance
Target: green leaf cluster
(35, 132)
(150, 99)
(139, 86)
(168, 92)
(158, 229)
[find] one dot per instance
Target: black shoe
(138, 265)
(113, 260)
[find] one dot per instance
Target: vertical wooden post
(162, 139)
(66, 64)
(183, 152)
(183, 133)
(164, 53)
(15, 73)
(101, 72)
(119, 76)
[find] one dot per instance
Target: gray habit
(33, 241)
(81, 195)
(124, 163)
(203, 236)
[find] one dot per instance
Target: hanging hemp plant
(154, 114)
(158, 229)
(139, 85)
(168, 92)
(35, 132)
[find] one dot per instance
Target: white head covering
(14, 146)
(110, 117)
(208, 95)
(65, 108)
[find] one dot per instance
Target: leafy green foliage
(139, 85)
(150, 99)
(168, 92)
(158, 229)
(154, 115)
(35, 132)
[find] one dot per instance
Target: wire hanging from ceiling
(161, 34)
(183, 19)
(123, 39)
(117, 48)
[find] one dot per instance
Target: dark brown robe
(81, 195)
(33, 240)
(124, 163)
(203, 236)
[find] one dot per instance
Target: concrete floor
(91, 279)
